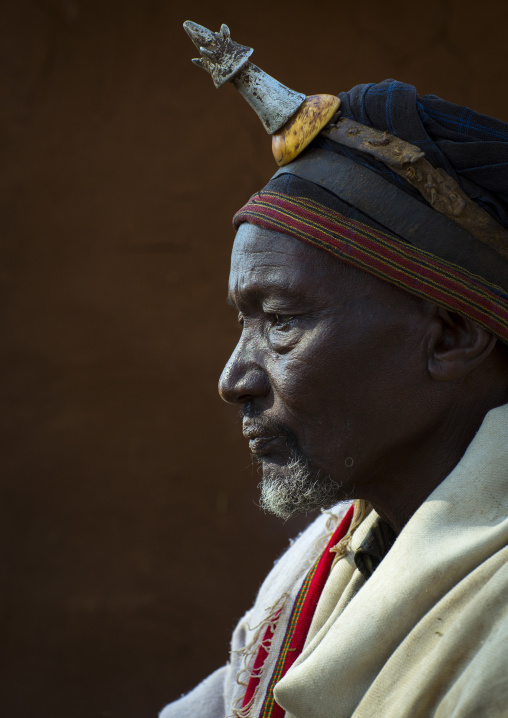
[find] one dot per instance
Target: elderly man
(373, 365)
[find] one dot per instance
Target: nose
(243, 378)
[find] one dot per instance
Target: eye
(282, 322)
(240, 318)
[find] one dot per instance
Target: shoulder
(478, 639)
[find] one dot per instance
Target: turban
(371, 217)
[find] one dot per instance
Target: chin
(292, 487)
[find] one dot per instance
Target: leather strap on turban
(447, 265)
(473, 148)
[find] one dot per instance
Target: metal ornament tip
(292, 118)
(227, 61)
(221, 57)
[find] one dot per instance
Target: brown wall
(129, 538)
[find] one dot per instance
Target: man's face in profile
(326, 373)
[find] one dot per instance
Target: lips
(261, 440)
(261, 444)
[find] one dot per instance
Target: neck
(415, 470)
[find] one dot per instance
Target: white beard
(294, 488)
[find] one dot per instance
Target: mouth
(262, 445)
(262, 438)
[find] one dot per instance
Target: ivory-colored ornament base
(314, 114)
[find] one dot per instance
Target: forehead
(262, 258)
(253, 242)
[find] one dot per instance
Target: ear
(456, 345)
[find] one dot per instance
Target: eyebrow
(273, 291)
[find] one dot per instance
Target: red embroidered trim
(298, 625)
(259, 662)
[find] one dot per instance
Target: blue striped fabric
(471, 147)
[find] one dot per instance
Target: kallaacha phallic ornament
(290, 117)
(294, 120)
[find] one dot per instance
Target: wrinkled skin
(378, 390)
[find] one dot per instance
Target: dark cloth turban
(471, 279)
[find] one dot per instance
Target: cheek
(304, 377)
(311, 388)
(297, 383)
(326, 390)
(317, 403)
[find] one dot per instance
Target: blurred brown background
(130, 539)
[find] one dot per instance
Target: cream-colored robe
(426, 635)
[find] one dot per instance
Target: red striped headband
(383, 255)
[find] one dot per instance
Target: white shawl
(427, 634)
